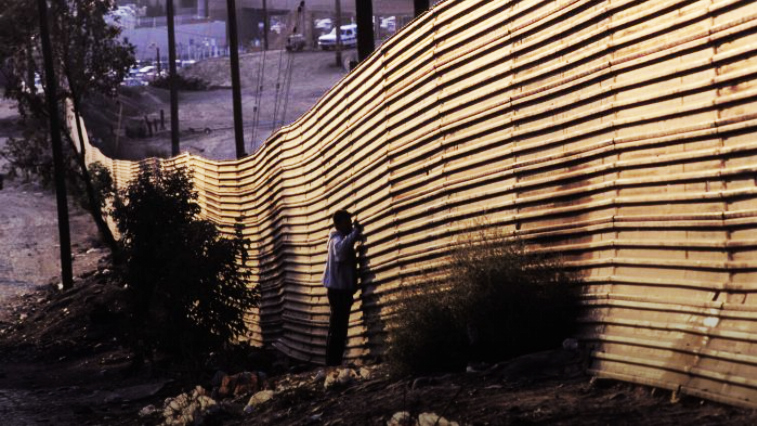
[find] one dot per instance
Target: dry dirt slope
(28, 227)
(312, 75)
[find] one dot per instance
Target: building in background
(201, 24)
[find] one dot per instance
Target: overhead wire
(288, 85)
(278, 87)
(280, 104)
(258, 100)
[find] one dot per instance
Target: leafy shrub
(188, 291)
(496, 301)
(29, 157)
(103, 185)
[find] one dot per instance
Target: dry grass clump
(496, 300)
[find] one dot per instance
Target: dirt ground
(63, 362)
(29, 250)
(206, 117)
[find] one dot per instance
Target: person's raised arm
(344, 244)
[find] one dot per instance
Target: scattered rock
(148, 410)
(431, 419)
(401, 418)
(189, 408)
(365, 373)
(330, 380)
(346, 376)
(341, 377)
(239, 384)
(259, 399)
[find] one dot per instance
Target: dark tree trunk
(92, 196)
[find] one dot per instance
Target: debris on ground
(191, 408)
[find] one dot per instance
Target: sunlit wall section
(621, 134)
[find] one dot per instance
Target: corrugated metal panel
(621, 133)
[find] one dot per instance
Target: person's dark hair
(342, 215)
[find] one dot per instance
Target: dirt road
(29, 247)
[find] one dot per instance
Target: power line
(259, 97)
(278, 87)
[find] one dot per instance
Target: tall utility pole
(365, 40)
(60, 183)
(236, 90)
(420, 6)
(172, 80)
(265, 25)
(338, 26)
(157, 58)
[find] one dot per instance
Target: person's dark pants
(340, 302)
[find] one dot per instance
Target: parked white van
(349, 37)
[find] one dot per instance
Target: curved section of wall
(622, 133)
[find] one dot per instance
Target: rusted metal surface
(620, 133)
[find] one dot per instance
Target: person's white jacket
(340, 267)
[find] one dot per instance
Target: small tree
(89, 57)
(188, 284)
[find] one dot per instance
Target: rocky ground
(62, 362)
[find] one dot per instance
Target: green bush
(496, 301)
(102, 184)
(188, 292)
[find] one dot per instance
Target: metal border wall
(622, 133)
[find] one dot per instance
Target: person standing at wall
(340, 279)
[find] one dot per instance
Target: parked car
(146, 71)
(388, 23)
(295, 42)
(323, 25)
(348, 35)
(133, 82)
